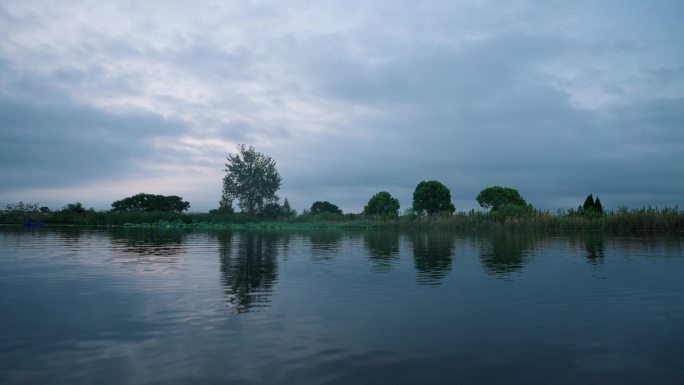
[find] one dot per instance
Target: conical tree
(598, 206)
(589, 203)
(286, 209)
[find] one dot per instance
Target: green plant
(320, 207)
(150, 203)
(497, 197)
(382, 203)
(432, 197)
(252, 179)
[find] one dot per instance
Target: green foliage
(76, 208)
(225, 207)
(150, 203)
(598, 206)
(286, 211)
(432, 197)
(591, 207)
(20, 212)
(22, 208)
(513, 210)
(497, 197)
(252, 179)
(319, 207)
(271, 211)
(512, 217)
(382, 203)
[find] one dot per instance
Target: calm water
(166, 307)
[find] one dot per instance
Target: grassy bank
(666, 220)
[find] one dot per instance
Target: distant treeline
(252, 181)
(622, 220)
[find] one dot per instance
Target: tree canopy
(432, 197)
(150, 202)
(496, 197)
(252, 179)
(76, 208)
(319, 207)
(382, 203)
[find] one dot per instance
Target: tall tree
(252, 179)
(432, 197)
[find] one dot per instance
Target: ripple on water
(129, 306)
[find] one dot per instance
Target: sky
(558, 99)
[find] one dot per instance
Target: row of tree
(252, 180)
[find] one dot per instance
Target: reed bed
(647, 219)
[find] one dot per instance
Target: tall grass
(645, 219)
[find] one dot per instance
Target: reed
(646, 219)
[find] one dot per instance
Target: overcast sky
(558, 99)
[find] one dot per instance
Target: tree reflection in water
(249, 266)
(505, 252)
(148, 250)
(382, 248)
(70, 235)
(148, 242)
(324, 243)
(433, 254)
(594, 245)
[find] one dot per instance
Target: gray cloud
(53, 144)
(556, 99)
(478, 117)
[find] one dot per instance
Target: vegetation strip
(252, 181)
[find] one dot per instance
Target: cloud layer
(100, 101)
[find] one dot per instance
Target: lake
(132, 306)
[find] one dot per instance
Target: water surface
(330, 307)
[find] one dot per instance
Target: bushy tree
(319, 207)
(75, 208)
(271, 211)
(252, 179)
(589, 203)
(496, 197)
(150, 202)
(432, 197)
(382, 203)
